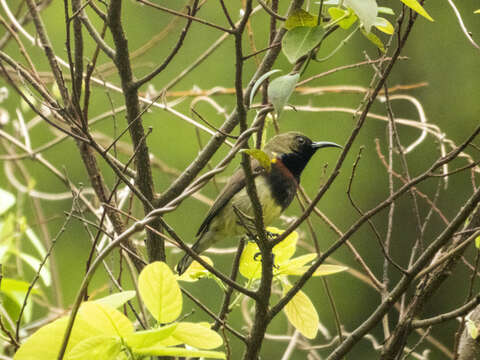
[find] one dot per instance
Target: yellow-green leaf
(323, 270)
(195, 271)
(197, 335)
(415, 6)
(160, 292)
(286, 248)
(300, 17)
(159, 350)
(147, 338)
(374, 39)
(301, 313)
(250, 264)
(384, 25)
(261, 156)
(477, 242)
(92, 320)
(97, 347)
(472, 329)
(294, 266)
(250, 260)
(105, 319)
(116, 300)
(348, 20)
(477, 11)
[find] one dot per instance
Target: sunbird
(289, 153)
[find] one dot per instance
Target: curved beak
(324, 144)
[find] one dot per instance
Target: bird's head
(294, 149)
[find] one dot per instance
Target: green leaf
(105, 320)
(280, 90)
(374, 39)
(261, 156)
(477, 242)
(250, 262)
(366, 11)
(301, 313)
(97, 347)
(384, 25)
(415, 6)
(259, 82)
(160, 292)
(116, 300)
(300, 41)
(472, 329)
(348, 21)
(148, 338)
(197, 335)
(385, 10)
(159, 350)
(12, 285)
(300, 17)
(195, 271)
(92, 320)
(477, 11)
(294, 266)
(7, 200)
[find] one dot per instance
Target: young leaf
(160, 350)
(477, 242)
(300, 40)
(285, 249)
(366, 11)
(160, 292)
(477, 11)
(280, 90)
(384, 25)
(259, 82)
(104, 320)
(385, 10)
(415, 6)
(195, 271)
(293, 266)
(12, 285)
(116, 300)
(199, 336)
(7, 200)
(261, 156)
(345, 23)
(472, 329)
(300, 17)
(301, 313)
(97, 347)
(250, 262)
(147, 338)
(374, 39)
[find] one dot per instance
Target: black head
(295, 150)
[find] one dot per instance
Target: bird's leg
(271, 236)
(258, 254)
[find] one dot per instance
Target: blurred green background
(438, 53)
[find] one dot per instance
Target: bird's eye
(301, 140)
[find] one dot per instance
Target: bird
(289, 153)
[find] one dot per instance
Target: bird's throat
(295, 163)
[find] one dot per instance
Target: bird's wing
(234, 185)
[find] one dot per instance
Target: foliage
(100, 331)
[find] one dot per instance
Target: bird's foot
(271, 236)
(259, 255)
